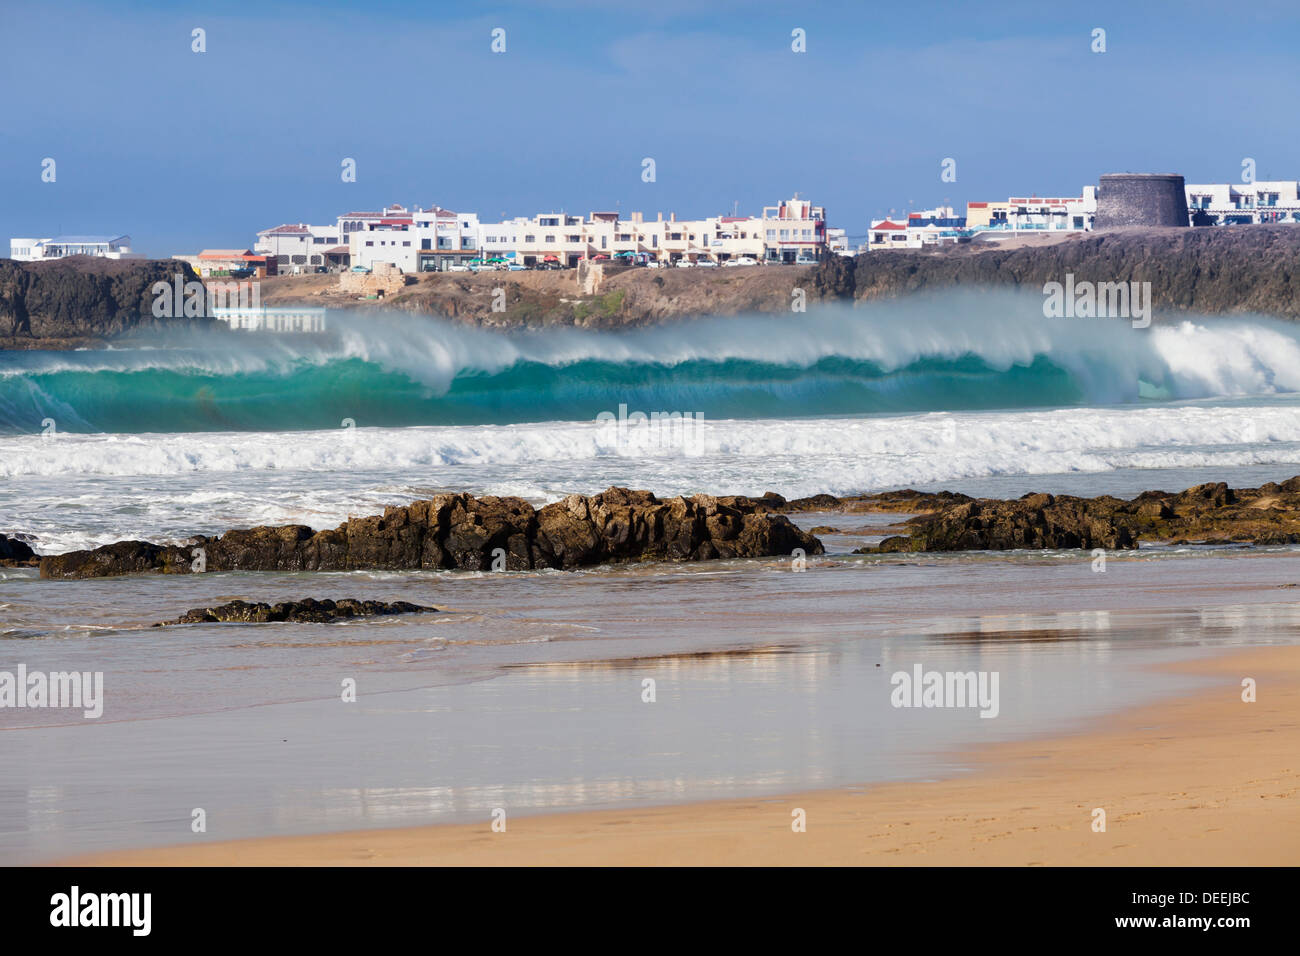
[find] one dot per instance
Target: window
(771, 234)
(370, 242)
(530, 238)
(550, 240)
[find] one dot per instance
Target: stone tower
(1141, 199)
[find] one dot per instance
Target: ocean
(525, 690)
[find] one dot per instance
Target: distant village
(398, 240)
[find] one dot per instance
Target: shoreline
(1200, 779)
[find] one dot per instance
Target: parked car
(742, 261)
(458, 267)
(515, 267)
(360, 269)
(685, 264)
(805, 261)
(654, 264)
(706, 264)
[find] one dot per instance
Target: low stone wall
(366, 283)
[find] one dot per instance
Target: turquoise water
(525, 691)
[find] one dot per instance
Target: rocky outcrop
(83, 300)
(625, 297)
(1214, 270)
(462, 531)
(306, 611)
(1205, 514)
(1034, 522)
(15, 552)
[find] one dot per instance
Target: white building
(434, 239)
(837, 241)
(793, 231)
(415, 240)
(1225, 204)
(299, 247)
(105, 247)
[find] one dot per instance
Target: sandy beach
(1205, 779)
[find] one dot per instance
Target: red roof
(224, 254)
(889, 225)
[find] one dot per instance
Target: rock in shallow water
(15, 551)
(306, 611)
(462, 531)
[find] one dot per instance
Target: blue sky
(183, 150)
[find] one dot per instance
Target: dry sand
(1201, 780)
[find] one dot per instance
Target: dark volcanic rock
(1215, 270)
(1035, 522)
(307, 611)
(1211, 513)
(82, 299)
(462, 531)
(14, 551)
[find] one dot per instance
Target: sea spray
(954, 353)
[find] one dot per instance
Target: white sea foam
(71, 491)
(924, 446)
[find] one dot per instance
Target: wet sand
(1204, 779)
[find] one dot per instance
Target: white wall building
(299, 247)
(1223, 204)
(104, 247)
(417, 240)
(421, 240)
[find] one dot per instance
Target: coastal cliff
(82, 301)
(1213, 271)
(1226, 270)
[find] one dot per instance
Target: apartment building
(1229, 204)
(791, 231)
(415, 240)
(435, 239)
(1016, 214)
(794, 231)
